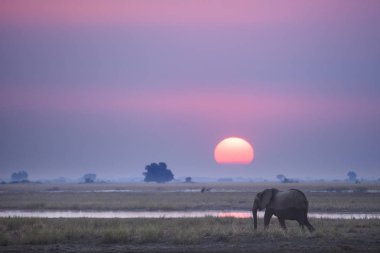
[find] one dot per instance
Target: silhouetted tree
(290, 180)
(19, 177)
(158, 173)
(280, 177)
(89, 177)
(284, 179)
(352, 177)
(188, 180)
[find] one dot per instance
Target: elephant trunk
(254, 214)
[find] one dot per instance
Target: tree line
(159, 173)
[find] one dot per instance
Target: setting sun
(234, 150)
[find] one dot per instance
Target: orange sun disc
(234, 150)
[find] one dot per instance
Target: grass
(85, 198)
(183, 231)
(184, 234)
(219, 186)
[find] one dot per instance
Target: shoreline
(244, 214)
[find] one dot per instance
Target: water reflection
(169, 214)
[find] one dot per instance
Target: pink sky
(173, 12)
(224, 105)
(117, 84)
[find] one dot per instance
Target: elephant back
(289, 199)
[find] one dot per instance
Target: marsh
(230, 230)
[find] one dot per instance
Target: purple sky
(111, 86)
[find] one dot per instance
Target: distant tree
(89, 178)
(188, 180)
(284, 179)
(352, 177)
(280, 177)
(290, 180)
(157, 173)
(19, 177)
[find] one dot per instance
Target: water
(169, 214)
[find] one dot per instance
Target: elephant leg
(309, 226)
(307, 223)
(267, 216)
(301, 223)
(282, 223)
(302, 220)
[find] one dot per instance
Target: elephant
(286, 205)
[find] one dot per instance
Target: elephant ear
(266, 197)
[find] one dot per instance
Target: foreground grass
(187, 231)
(140, 196)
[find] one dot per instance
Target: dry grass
(35, 231)
(153, 187)
(164, 197)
